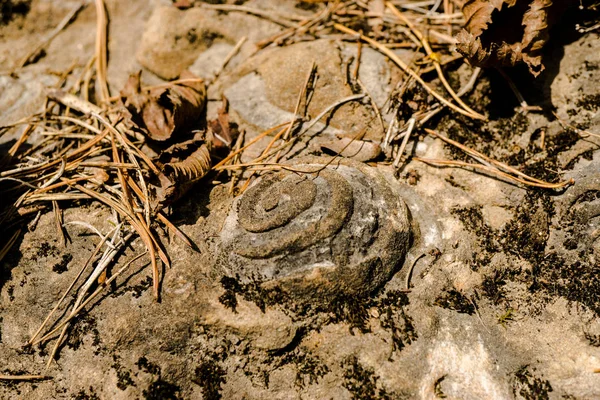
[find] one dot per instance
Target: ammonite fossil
(317, 229)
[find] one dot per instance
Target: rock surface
(504, 298)
(317, 231)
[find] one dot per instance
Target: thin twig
(408, 70)
(101, 49)
(23, 377)
(62, 25)
(436, 62)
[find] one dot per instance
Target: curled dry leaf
(506, 32)
(182, 165)
(166, 111)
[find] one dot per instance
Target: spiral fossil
(339, 229)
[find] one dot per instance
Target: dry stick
(237, 146)
(256, 139)
(495, 171)
(160, 215)
(77, 85)
(436, 62)
(303, 25)
(101, 49)
(57, 196)
(62, 25)
(65, 182)
(581, 132)
(89, 260)
(303, 93)
(465, 89)
(260, 13)
(57, 175)
(373, 104)
(127, 145)
(269, 166)
(475, 154)
(406, 69)
(161, 86)
(107, 165)
(107, 257)
(275, 138)
(312, 123)
(22, 377)
(517, 93)
(162, 218)
(24, 135)
(58, 218)
(65, 74)
(358, 57)
(126, 196)
(43, 166)
(87, 80)
(76, 121)
(231, 54)
(265, 150)
(141, 229)
(9, 244)
(411, 125)
(73, 102)
(410, 270)
(90, 298)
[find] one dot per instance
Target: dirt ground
(504, 295)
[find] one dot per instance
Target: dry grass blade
(140, 228)
(492, 166)
(175, 230)
(309, 126)
(475, 154)
(406, 69)
(495, 171)
(23, 377)
(101, 49)
(24, 135)
(281, 20)
(434, 58)
(103, 240)
(8, 245)
(581, 132)
(231, 155)
(65, 21)
(78, 309)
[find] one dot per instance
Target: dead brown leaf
(507, 32)
(182, 165)
(223, 130)
(164, 112)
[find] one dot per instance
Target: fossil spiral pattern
(317, 229)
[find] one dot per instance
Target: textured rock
(339, 230)
(282, 74)
(173, 40)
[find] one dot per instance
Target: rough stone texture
(339, 230)
(279, 75)
(504, 296)
(174, 38)
(21, 96)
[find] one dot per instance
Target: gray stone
(340, 230)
